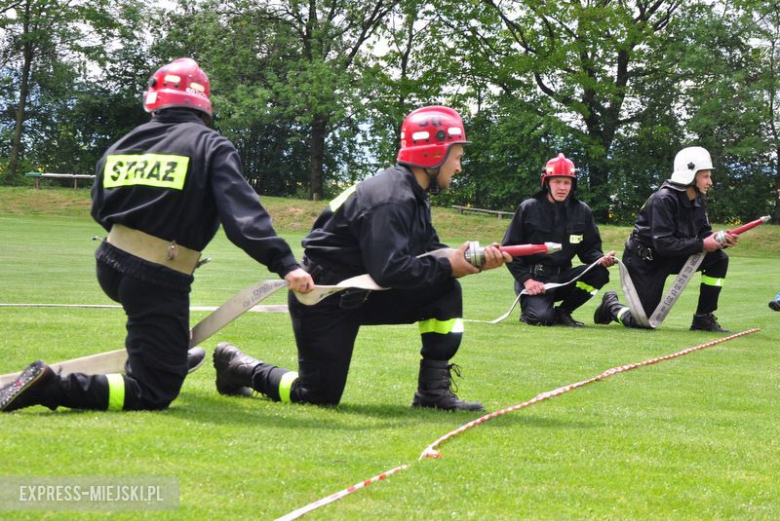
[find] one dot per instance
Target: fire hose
(680, 282)
(114, 361)
(629, 290)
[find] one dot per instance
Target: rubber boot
(608, 309)
(195, 358)
(707, 322)
(774, 305)
(434, 388)
(234, 370)
(564, 318)
(36, 385)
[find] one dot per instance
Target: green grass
(691, 438)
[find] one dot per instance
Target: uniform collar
(682, 194)
(409, 176)
(674, 186)
(177, 116)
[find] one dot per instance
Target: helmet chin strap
(433, 181)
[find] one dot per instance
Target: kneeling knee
(538, 319)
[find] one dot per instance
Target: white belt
(154, 249)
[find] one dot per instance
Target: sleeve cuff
(286, 266)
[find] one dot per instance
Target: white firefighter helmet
(688, 162)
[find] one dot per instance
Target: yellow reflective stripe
(285, 385)
(338, 201)
(453, 325)
(620, 314)
(160, 170)
(587, 287)
(116, 392)
(711, 281)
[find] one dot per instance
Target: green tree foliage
(767, 52)
(587, 57)
(287, 74)
(726, 84)
(313, 92)
(48, 50)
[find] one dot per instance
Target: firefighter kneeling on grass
(671, 226)
(555, 214)
(161, 192)
(378, 227)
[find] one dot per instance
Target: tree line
(313, 92)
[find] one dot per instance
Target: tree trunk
(598, 175)
(601, 130)
(318, 133)
(16, 143)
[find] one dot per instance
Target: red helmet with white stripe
(559, 167)
(427, 135)
(181, 83)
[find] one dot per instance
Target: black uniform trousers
(649, 278)
(157, 338)
(325, 333)
(539, 309)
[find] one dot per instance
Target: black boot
(234, 370)
(36, 385)
(608, 309)
(195, 358)
(562, 317)
(775, 305)
(433, 389)
(707, 322)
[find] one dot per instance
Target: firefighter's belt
(154, 249)
(643, 252)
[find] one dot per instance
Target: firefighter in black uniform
(671, 226)
(379, 227)
(555, 214)
(161, 192)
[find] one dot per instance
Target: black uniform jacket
(379, 227)
(671, 224)
(537, 221)
(176, 179)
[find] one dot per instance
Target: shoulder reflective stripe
(711, 281)
(338, 201)
(160, 170)
(285, 386)
(587, 287)
(116, 392)
(453, 325)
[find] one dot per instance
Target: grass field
(691, 438)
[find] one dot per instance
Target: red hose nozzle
(721, 235)
(475, 255)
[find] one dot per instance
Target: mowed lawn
(691, 438)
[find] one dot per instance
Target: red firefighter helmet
(427, 135)
(559, 167)
(181, 83)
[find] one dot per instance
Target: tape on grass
(295, 514)
(431, 451)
